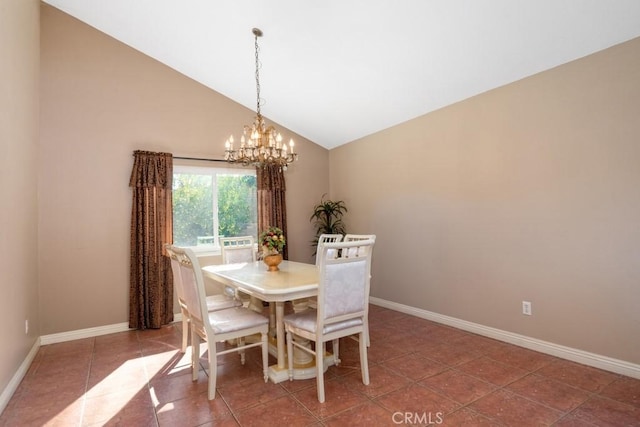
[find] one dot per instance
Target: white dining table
(293, 281)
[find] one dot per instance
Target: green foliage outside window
(193, 207)
(237, 205)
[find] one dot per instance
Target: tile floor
(422, 373)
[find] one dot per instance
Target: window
(210, 202)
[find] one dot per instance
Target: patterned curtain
(151, 281)
(272, 206)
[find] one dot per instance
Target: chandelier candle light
(260, 144)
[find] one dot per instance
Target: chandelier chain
(257, 76)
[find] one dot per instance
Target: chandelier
(260, 145)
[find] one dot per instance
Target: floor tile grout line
(295, 398)
(149, 387)
(231, 411)
(503, 387)
(86, 384)
(563, 413)
(463, 405)
(591, 395)
(498, 387)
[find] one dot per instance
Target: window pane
(237, 205)
(192, 209)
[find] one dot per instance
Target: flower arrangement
(272, 240)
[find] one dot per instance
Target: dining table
(294, 281)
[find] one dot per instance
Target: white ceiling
(336, 70)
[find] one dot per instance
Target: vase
(273, 261)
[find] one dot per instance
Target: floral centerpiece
(272, 241)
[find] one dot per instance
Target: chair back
(237, 249)
(344, 283)
(192, 285)
(327, 238)
(175, 270)
(355, 238)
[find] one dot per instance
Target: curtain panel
(272, 206)
(151, 280)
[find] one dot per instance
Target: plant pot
(273, 261)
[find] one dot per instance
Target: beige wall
(527, 192)
(100, 101)
(19, 49)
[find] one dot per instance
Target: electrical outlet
(26, 327)
(526, 308)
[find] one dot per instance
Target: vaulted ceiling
(336, 70)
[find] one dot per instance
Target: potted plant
(272, 241)
(327, 218)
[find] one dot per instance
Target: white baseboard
(92, 332)
(84, 333)
(586, 358)
(11, 388)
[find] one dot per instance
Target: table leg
(280, 335)
(272, 319)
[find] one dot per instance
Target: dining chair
(214, 326)
(343, 297)
(214, 302)
(240, 249)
